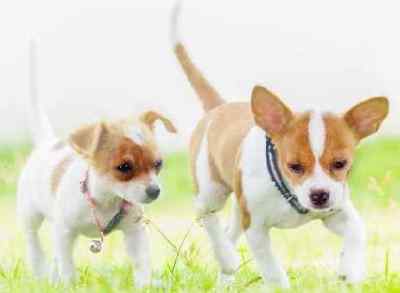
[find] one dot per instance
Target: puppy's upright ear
(365, 118)
(150, 117)
(270, 113)
(88, 139)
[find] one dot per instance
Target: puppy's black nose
(319, 198)
(153, 191)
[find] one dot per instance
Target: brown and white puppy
(119, 163)
(315, 153)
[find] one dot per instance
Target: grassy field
(309, 253)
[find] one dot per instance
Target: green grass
(309, 252)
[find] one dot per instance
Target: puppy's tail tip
(39, 122)
(175, 37)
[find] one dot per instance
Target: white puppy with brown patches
(118, 163)
(314, 152)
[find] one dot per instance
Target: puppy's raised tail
(38, 120)
(208, 95)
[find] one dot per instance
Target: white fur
(317, 134)
(70, 215)
(319, 179)
(136, 135)
(68, 210)
(268, 209)
(211, 198)
(174, 25)
(39, 123)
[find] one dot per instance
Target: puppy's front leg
(64, 240)
(260, 245)
(138, 248)
(349, 225)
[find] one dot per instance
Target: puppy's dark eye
(296, 168)
(339, 164)
(125, 167)
(158, 165)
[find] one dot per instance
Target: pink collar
(96, 245)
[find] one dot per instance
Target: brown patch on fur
(209, 97)
(138, 157)
(87, 139)
(229, 125)
(150, 117)
(270, 113)
(245, 217)
(58, 173)
(340, 143)
(366, 117)
(293, 147)
(107, 146)
(194, 149)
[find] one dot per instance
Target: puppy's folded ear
(150, 117)
(270, 113)
(365, 118)
(88, 139)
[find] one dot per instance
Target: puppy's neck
(98, 189)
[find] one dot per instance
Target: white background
(105, 59)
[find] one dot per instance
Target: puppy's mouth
(148, 200)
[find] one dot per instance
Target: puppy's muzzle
(153, 191)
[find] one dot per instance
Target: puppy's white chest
(266, 204)
(106, 214)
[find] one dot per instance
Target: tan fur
(340, 143)
(150, 117)
(206, 92)
(108, 145)
(293, 147)
(58, 173)
(194, 148)
(126, 151)
(366, 117)
(87, 139)
(270, 113)
(228, 124)
(245, 217)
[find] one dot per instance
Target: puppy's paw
(352, 274)
(229, 260)
(225, 280)
(145, 282)
(277, 282)
(142, 282)
(352, 278)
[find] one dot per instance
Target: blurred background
(109, 59)
(106, 59)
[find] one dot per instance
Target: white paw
(352, 273)
(142, 281)
(352, 276)
(229, 260)
(275, 282)
(158, 284)
(226, 280)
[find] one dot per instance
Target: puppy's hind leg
(234, 229)
(207, 205)
(36, 257)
